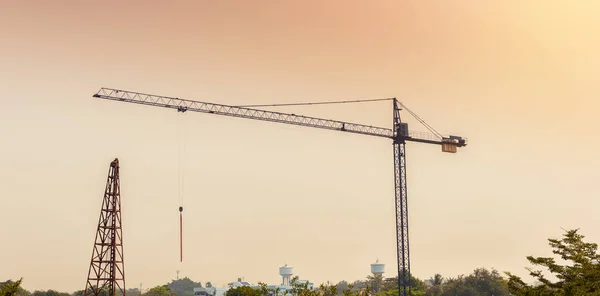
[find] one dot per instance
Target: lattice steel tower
(106, 275)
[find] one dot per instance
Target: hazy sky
(520, 79)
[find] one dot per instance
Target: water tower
(286, 273)
(377, 268)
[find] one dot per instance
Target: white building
(285, 271)
(212, 291)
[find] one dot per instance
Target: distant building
(282, 289)
(286, 272)
(239, 283)
(212, 291)
(285, 289)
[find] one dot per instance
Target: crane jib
(182, 105)
(219, 109)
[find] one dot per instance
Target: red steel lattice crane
(399, 135)
(106, 275)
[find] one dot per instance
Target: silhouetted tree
(580, 277)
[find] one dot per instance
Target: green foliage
(357, 288)
(10, 288)
(389, 286)
(13, 288)
(341, 286)
(243, 291)
(184, 286)
(133, 292)
(263, 289)
(298, 288)
(480, 282)
(102, 291)
(327, 289)
(437, 280)
(160, 291)
(437, 283)
(394, 292)
(581, 277)
(375, 282)
(49, 293)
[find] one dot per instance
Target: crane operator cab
(402, 129)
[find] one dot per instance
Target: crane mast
(402, 245)
(399, 135)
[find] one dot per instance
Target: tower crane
(399, 134)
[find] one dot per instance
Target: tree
(184, 286)
(341, 286)
(300, 289)
(133, 292)
(375, 281)
(160, 291)
(437, 279)
(327, 289)
(390, 286)
(437, 282)
(50, 293)
(10, 288)
(456, 286)
(480, 282)
(487, 282)
(243, 291)
(580, 277)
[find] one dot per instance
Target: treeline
(580, 275)
(481, 282)
(181, 287)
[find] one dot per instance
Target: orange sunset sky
(519, 79)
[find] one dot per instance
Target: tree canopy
(184, 286)
(480, 282)
(244, 291)
(10, 288)
(160, 291)
(580, 275)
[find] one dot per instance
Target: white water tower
(377, 268)
(286, 273)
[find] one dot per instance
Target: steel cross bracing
(106, 275)
(402, 245)
(399, 134)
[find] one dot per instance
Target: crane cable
(425, 124)
(180, 180)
